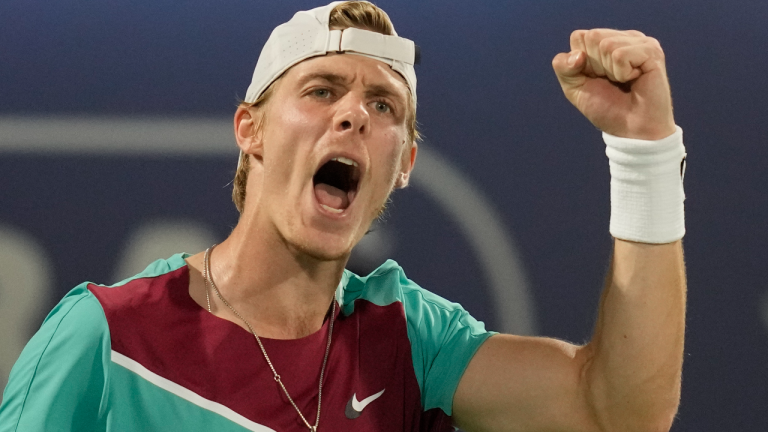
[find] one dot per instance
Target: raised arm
(627, 378)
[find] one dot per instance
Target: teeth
(345, 161)
(331, 209)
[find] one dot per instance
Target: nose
(351, 115)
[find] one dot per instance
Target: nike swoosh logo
(355, 407)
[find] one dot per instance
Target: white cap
(307, 35)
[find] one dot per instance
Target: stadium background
(116, 149)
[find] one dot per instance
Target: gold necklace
(209, 281)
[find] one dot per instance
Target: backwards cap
(307, 35)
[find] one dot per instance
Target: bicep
(524, 383)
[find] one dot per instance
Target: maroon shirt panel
(155, 322)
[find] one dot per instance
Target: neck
(282, 293)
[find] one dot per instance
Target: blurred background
(116, 149)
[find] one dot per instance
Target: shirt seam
(413, 290)
(418, 324)
(104, 402)
(141, 275)
(34, 374)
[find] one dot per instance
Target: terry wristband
(647, 188)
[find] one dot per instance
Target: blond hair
(358, 14)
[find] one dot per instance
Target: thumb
(569, 65)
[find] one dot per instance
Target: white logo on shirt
(356, 407)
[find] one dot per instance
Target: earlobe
(402, 180)
(409, 160)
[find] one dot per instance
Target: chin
(326, 247)
(325, 256)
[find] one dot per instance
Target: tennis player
(267, 331)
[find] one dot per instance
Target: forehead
(353, 68)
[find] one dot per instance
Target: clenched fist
(618, 80)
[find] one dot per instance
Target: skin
(284, 259)
(627, 378)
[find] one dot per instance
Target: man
(268, 331)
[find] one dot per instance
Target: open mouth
(336, 184)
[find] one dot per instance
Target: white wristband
(647, 188)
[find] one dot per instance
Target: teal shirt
(68, 378)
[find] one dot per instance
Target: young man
(268, 331)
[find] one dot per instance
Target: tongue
(331, 196)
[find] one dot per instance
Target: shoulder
(145, 288)
(443, 335)
(388, 284)
(153, 303)
(431, 320)
(61, 371)
(75, 327)
(78, 316)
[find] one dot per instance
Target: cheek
(290, 133)
(398, 137)
(296, 116)
(390, 156)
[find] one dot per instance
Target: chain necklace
(209, 281)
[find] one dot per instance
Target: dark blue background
(488, 101)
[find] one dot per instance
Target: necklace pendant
(313, 428)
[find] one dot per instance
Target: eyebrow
(375, 90)
(326, 76)
(383, 91)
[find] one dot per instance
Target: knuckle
(607, 32)
(592, 36)
(607, 44)
(619, 56)
(577, 35)
(655, 45)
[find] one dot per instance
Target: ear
(248, 132)
(406, 166)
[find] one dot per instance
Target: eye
(322, 93)
(382, 107)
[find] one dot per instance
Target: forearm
(634, 362)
